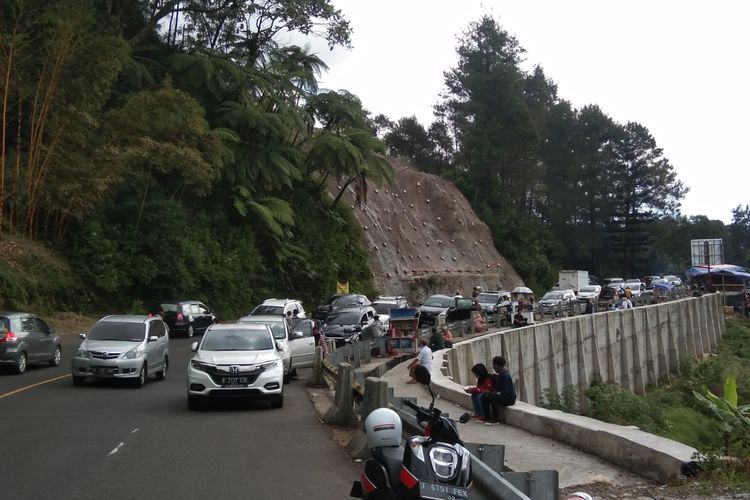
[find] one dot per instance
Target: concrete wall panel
(527, 365)
(640, 353)
(603, 351)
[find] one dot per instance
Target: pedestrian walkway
(523, 451)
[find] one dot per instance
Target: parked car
(558, 299)
(185, 317)
(346, 326)
(609, 281)
(279, 307)
(236, 361)
(384, 304)
(636, 288)
(452, 308)
(491, 302)
(337, 302)
(673, 280)
(25, 338)
(590, 292)
(610, 291)
(123, 347)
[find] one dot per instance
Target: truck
(572, 280)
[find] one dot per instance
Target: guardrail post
(317, 379)
(376, 396)
(342, 411)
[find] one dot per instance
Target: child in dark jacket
(480, 391)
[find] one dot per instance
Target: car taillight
(9, 337)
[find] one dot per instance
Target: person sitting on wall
(424, 358)
(436, 340)
(519, 320)
(503, 393)
(447, 337)
(480, 324)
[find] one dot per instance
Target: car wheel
(142, 376)
(21, 363)
(162, 374)
(277, 401)
(56, 357)
(190, 331)
(287, 378)
(78, 380)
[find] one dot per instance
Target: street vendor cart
(403, 331)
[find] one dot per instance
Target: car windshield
(438, 302)
(264, 310)
(384, 307)
(488, 298)
(344, 318)
(552, 295)
(588, 289)
(5, 322)
(277, 326)
(168, 307)
(349, 300)
(241, 339)
(123, 332)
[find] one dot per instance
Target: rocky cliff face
(424, 238)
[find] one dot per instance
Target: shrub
(611, 403)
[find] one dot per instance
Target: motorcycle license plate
(435, 491)
(234, 381)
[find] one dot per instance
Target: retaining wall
(633, 348)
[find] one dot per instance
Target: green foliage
(690, 427)
(612, 403)
(566, 401)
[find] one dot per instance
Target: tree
(644, 186)
(739, 232)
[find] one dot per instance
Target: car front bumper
(209, 385)
(107, 368)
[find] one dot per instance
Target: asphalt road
(111, 441)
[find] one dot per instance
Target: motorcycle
(431, 466)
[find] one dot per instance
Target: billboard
(707, 252)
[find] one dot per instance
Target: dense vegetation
(673, 410)
(170, 148)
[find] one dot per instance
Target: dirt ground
(70, 323)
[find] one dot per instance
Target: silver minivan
(123, 347)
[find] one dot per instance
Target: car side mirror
(153, 338)
(82, 335)
(297, 335)
(279, 347)
(194, 347)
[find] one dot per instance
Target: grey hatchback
(25, 338)
(123, 347)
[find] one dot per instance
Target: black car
(26, 339)
(348, 325)
(453, 308)
(339, 301)
(185, 317)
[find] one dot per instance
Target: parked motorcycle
(432, 466)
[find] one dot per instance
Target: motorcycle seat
(390, 457)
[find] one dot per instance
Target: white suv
(280, 307)
(236, 361)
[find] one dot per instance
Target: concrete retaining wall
(634, 348)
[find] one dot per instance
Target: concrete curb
(645, 454)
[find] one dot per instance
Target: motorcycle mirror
(422, 374)
(465, 417)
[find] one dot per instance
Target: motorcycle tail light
(444, 461)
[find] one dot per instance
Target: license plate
(234, 381)
(436, 491)
(104, 371)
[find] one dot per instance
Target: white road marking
(117, 448)
(134, 430)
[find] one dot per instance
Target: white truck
(572, 280)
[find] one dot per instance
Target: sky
(680, 68)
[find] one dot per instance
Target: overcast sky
(680, 68)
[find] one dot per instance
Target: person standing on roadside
(424, 358)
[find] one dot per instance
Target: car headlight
(82, 353)
(133, 353)
(199, 365)
(270, 365)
